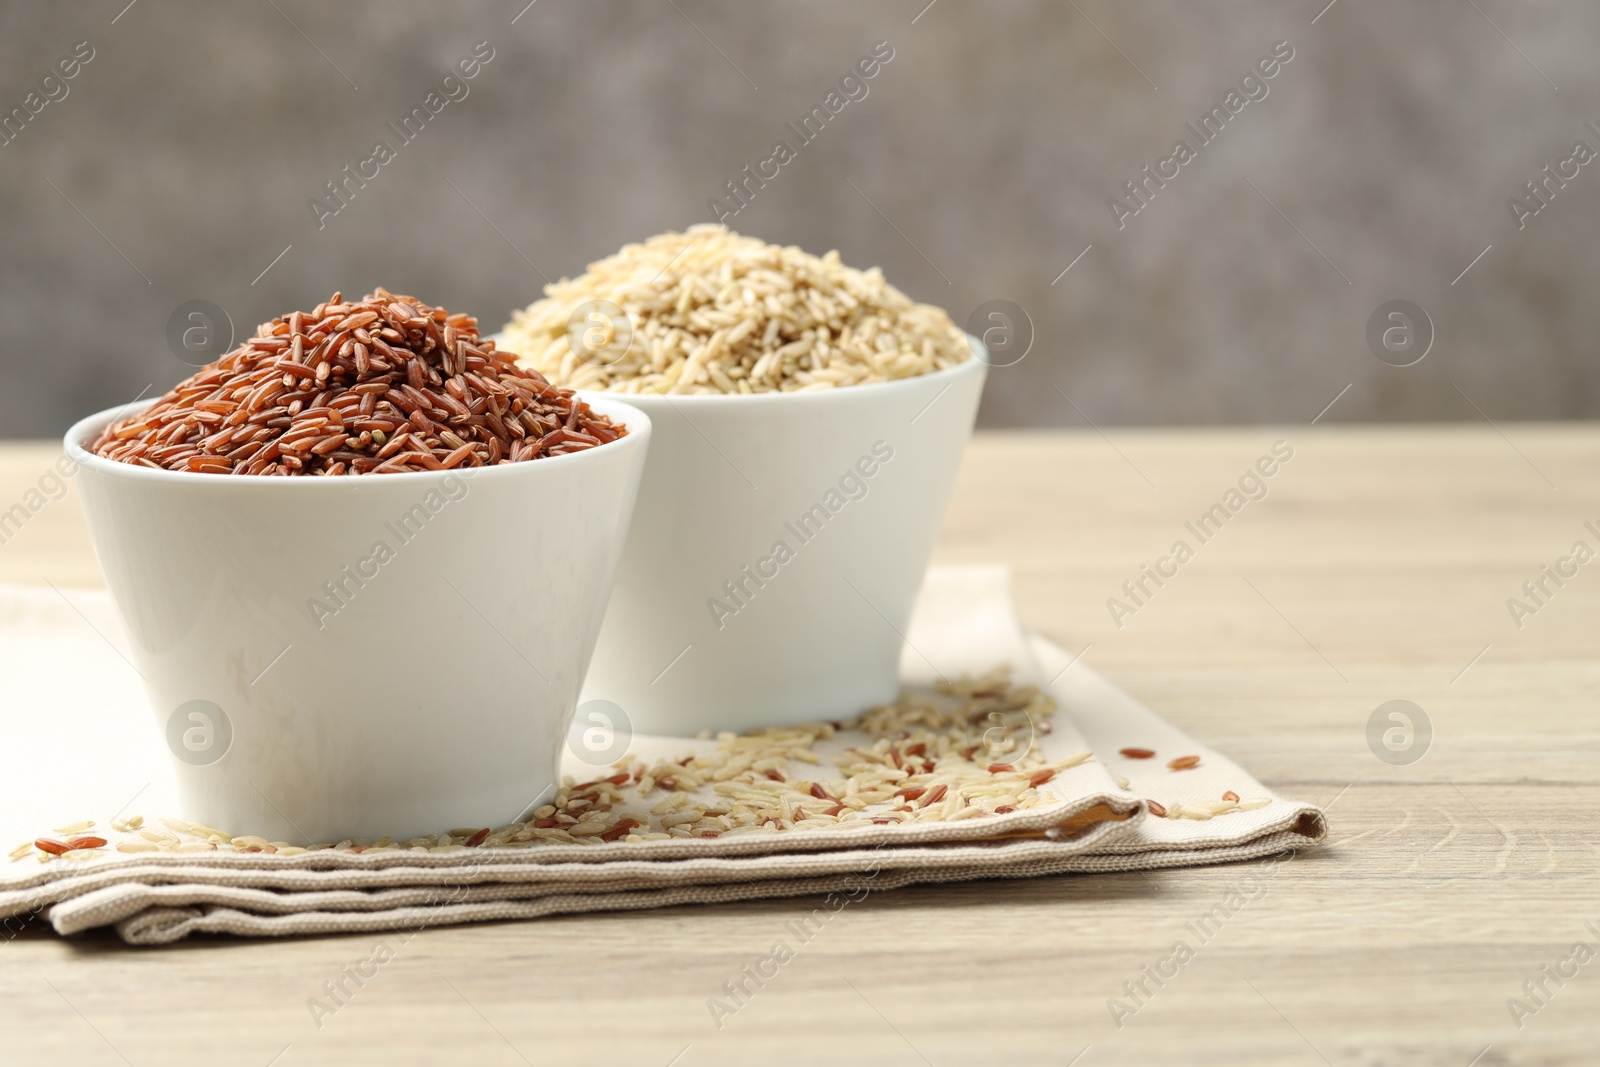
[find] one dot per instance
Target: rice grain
(460, 401)
(713, 312)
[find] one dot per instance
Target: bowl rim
(633, 418)
(976, 364)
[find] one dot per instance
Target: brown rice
(961, 751)
(709, 311)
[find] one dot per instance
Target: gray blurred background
(180, 163)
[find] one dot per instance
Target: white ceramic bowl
(776, 551)
(363, 655)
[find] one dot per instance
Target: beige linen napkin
(86, 742)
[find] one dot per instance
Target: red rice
(380, 386)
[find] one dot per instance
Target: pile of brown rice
(709, 311)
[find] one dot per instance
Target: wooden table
(1378, 567)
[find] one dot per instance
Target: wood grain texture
(1376, 567)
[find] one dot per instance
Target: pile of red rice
(380, 386)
